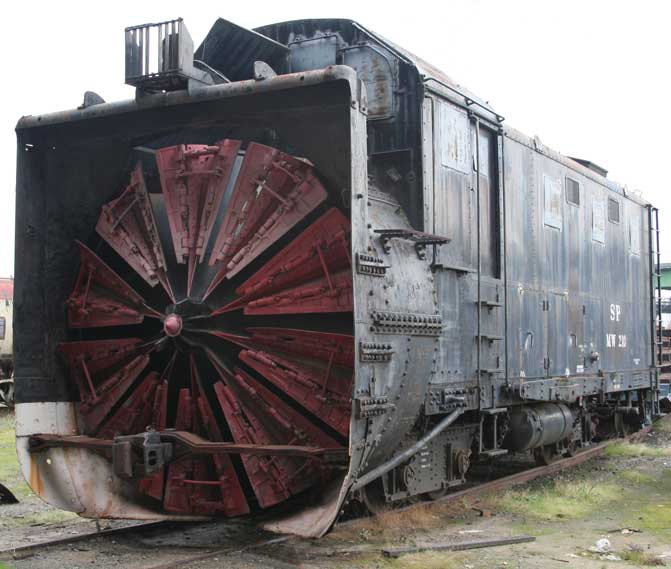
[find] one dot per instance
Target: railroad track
(143, 526)
(472, 492)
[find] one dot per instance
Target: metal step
(494, 452)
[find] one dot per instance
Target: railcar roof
(428, 70)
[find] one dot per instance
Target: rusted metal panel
(377, 68)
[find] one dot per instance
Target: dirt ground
(624, 497)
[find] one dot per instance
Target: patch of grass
(663, 425)
(559, 499)
(635, 450)
(10, 473)
(640, 557)
(428, 560)
(637, 477)
(532, 527)
(655, 518)
(391, 525)
(41, 517)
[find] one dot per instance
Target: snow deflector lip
(199, 95)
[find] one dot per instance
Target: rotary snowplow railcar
(304, 267)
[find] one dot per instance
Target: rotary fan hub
(172, 325)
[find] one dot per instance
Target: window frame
(619, 211)
(568, 201)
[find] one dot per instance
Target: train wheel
(373, 497)
(219, 302)
(571, 448)
(546, 454)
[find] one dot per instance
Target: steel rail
(223, 551)
(85, 535)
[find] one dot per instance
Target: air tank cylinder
(534, 426)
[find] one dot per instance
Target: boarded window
(572, 191)
(2, 327)
(375, 69)
(598, 220)
(552, 215)
(454, 139)
(635, 234)
(613, 210)
(484, 152)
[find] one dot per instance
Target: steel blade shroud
(251, 343)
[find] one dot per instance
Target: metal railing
(158, 49)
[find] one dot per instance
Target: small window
(613, 210)
(553, 203)
(2, 327)
(572, 191)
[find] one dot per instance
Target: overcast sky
(590, 78)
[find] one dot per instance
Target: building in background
(6, 345)
(666, 294)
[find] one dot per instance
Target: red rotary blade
(154, 485)
(102, 298)
(103, 370)
(135, 413)
(127, 224)
(325, 391)
(318, 252)
(272, 193)
(202, 485)
(194, 178)
(324, 346)
(255, 415)
(332, 294)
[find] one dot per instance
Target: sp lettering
(615, 312)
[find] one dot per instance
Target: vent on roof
(232, 50)
(591, 166)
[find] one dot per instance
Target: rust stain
(35, 479)
(107, 511)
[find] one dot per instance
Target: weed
(663, 425)
(559, 499)
(10, 473)
(639, 557)
(428, 560)
(401, 525)
(637, 477)
(634, 450)
(654, 517)
(391, 525)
